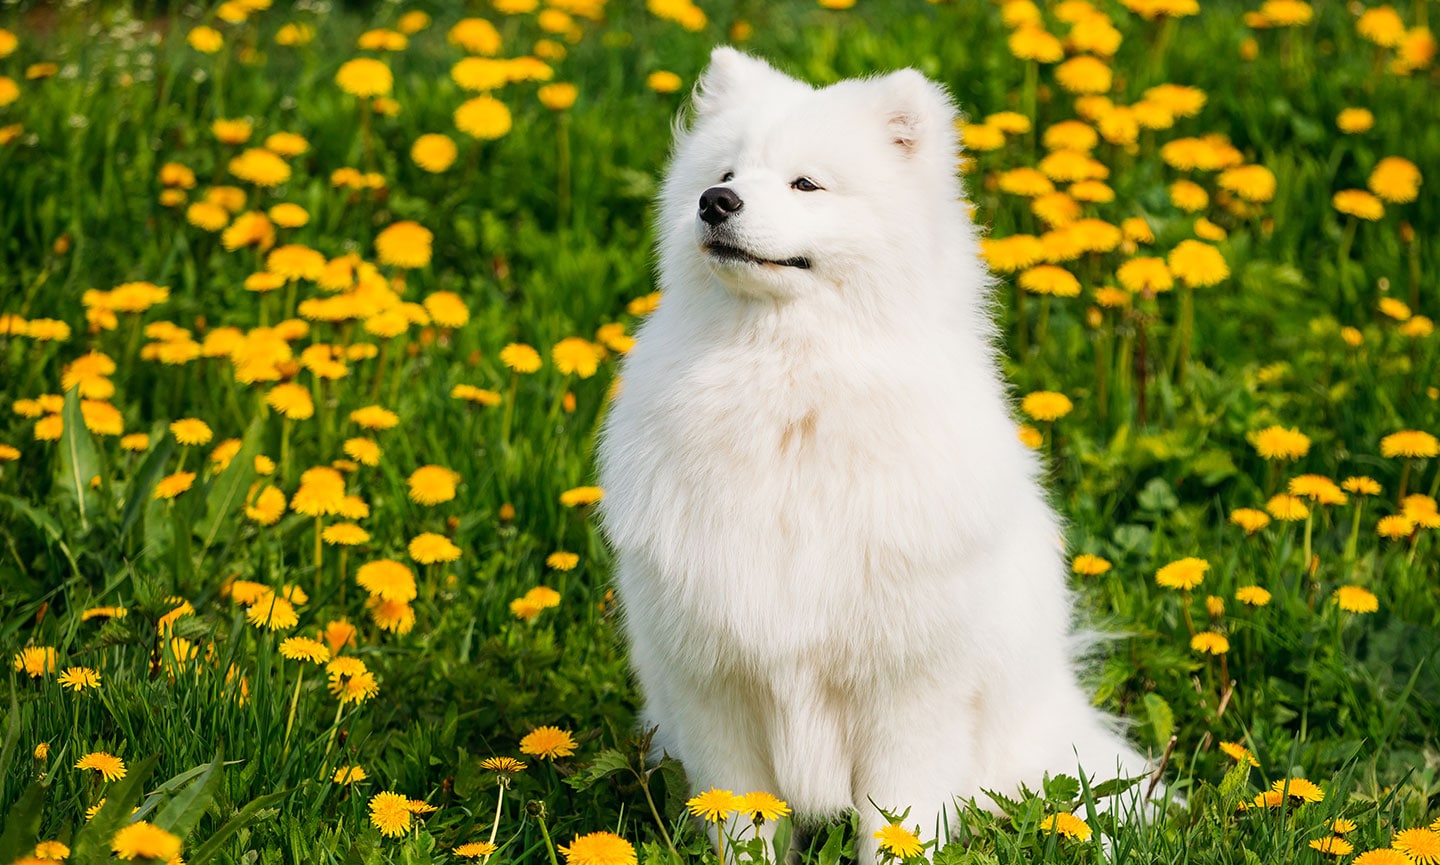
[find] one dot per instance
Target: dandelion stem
(545, 833)
(319, 549)
(495, 826)
(1404, 481)
(562, 168)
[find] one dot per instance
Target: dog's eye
(727, 177)
(804, 184)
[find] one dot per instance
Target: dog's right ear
(732, 75)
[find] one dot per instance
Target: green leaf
(12, 734)
(1160, 718)
(784, 831)
(834, 843)
(243, 818)
(138, 494)
(47, 525)
(227, 493)
(78, 460)
(1062, 788)
(605, 764)
(92, 842)
(22, 823)
(185, 808)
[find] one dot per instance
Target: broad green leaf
(1161, 719)
(22, 823)
(150, 471)
(92, 843)
(243, 818)
(227, 493)
(180, 814)
(605, 764)
(78, 461)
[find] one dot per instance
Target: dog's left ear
(919, 116)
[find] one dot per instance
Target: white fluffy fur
(841, 580)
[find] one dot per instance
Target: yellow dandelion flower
(713, 805)
(474, 850)
(576, 356)
(272, 613)
(79, 678)
(580, 496)
(349, 775)
(1009, 254)
(1198, 264)
(1183, 574)
(36, 661)
(1410, 444)
(663, 81)
(1049, 279)
(434, 153)
(404, 244)
(387, 579)
(145, 841)
(599, 848)
(1089, 565)
(1046, 405)
(899, 841)
(260, 167)
(1299, 788)
(1239, 753)
(52, 850)
(431, 485)
(763, 806)
(344, 535)
(173, 485)
(428, 548)
(1066, 824)
(483, 117)
(1032, 42)
(548, 743)
(1361, 485)
(1356, 599)
(562, 561)
(292, 400)
(558, 96)
(339, 634)
(1395, 179)
(1210, 643)
(374, 417)
(1255, 596)
(267, 508)
(1358, 203)
(305, 649)
(1145, 274)
(1287, 508)
(504, 765)
(1353, 121)
(390, 813)
(1383, 856)
(1279, 443)
(1421, 845)
(365, 77)
(1332, 845)
(110, 767)
(477, 395)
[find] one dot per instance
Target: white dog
(841, 580)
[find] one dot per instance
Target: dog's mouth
(725, 252)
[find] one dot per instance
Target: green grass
(1156, 454)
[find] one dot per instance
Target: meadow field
(309, 316)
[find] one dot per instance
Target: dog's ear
(733, 76)
(919, 116)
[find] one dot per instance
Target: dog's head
(777, 188)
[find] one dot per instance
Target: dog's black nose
(717, 204)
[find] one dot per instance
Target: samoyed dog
(841, 580)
